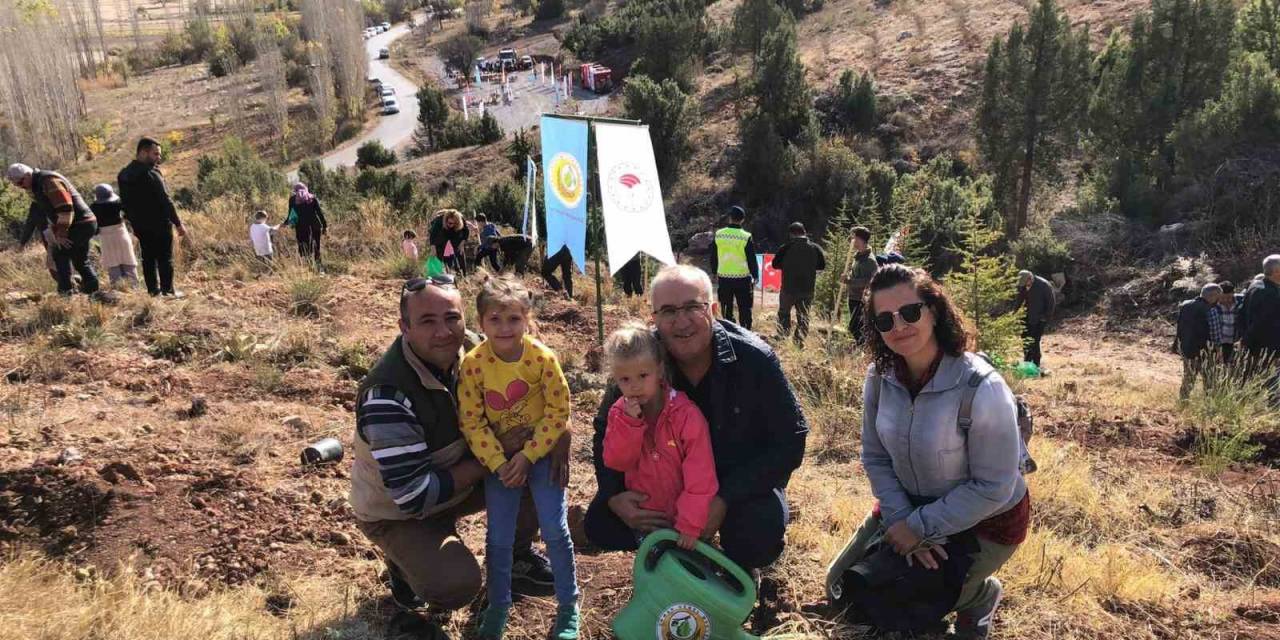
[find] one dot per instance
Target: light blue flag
(564, 172)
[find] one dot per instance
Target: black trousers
(156, 246)
(632, 276)
(1031, 338)
(519, 260)
(564, 262)
(786, 301)
(309, 241)
(737, 290)
(76, 257)
(857, 323)
(752, 533)
(490, 252)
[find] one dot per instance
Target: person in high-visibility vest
(734, 263)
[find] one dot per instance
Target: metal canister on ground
(320, 452)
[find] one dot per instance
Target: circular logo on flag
(630, 188)
(566, 179)
(683, 621)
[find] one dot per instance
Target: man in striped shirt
(413, 475)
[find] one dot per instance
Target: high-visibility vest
(731, 253)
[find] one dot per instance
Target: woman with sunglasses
(935, 480)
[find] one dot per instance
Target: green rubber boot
(566, 626)
(493, 623)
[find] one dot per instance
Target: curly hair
(951, 330)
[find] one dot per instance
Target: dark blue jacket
(757, 428)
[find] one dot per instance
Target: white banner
(631, 198)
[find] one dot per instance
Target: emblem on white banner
(629, 188)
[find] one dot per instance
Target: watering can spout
(685, 595)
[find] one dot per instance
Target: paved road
(395, 131)
(531, 99)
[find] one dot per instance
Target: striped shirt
(385, 420)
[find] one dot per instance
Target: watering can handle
(662, 540)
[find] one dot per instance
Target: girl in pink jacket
(657, 436)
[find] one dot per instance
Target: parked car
(373, 80)
(386, 26)
(386, 91)
(526, 62)
(384, 53)
(390, 106)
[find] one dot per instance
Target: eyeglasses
(910, 314)
(418, 284)
(687, 310)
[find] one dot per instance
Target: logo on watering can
(683, 621)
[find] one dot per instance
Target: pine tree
(1259, 29)
(519, 150)
(780, 88)
(433, 112)
(984, 288)
(1173, 61)
(669, 113)
(1033, 105)
(753, 20)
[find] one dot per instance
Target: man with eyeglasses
(413, 475)
(757, 429)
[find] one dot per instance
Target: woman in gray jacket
(933, 476)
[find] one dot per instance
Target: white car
(386, 26)
(386, 91)
(390, 106)
(384, 53)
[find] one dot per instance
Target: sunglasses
(418, 284)
(909, 313)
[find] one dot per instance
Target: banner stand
(593, 198)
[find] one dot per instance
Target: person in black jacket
(800, 260)
(152, 215)
(515, 249)
(562, 260)
(1192, 338)
(1262, 338)
(308, 223)
(757, 429)
(632, 276)
(448, 234)
(1037, 296)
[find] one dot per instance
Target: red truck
(596, 77)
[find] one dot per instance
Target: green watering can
(685, 595)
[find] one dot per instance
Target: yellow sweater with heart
(495, 396)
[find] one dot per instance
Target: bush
(307, 294)
(671, 116)
(502, 202)
(1040, 252)
(238, 170)
(550, 9)
(373, 154)
(398, 190)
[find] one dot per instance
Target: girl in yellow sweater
(512, 380)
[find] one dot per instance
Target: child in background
(409, 245)
(512, 380)
(113, 237)
(260, 236)
(656, 435)
(488, 242)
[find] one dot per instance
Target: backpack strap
(965, 418)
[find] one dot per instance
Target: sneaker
(566, 625)
(176, 295)
(975, 622)
(401, 593)
(493, 622)
(531, 572)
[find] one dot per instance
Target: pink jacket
(671, 463)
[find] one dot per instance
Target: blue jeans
(503, 504)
